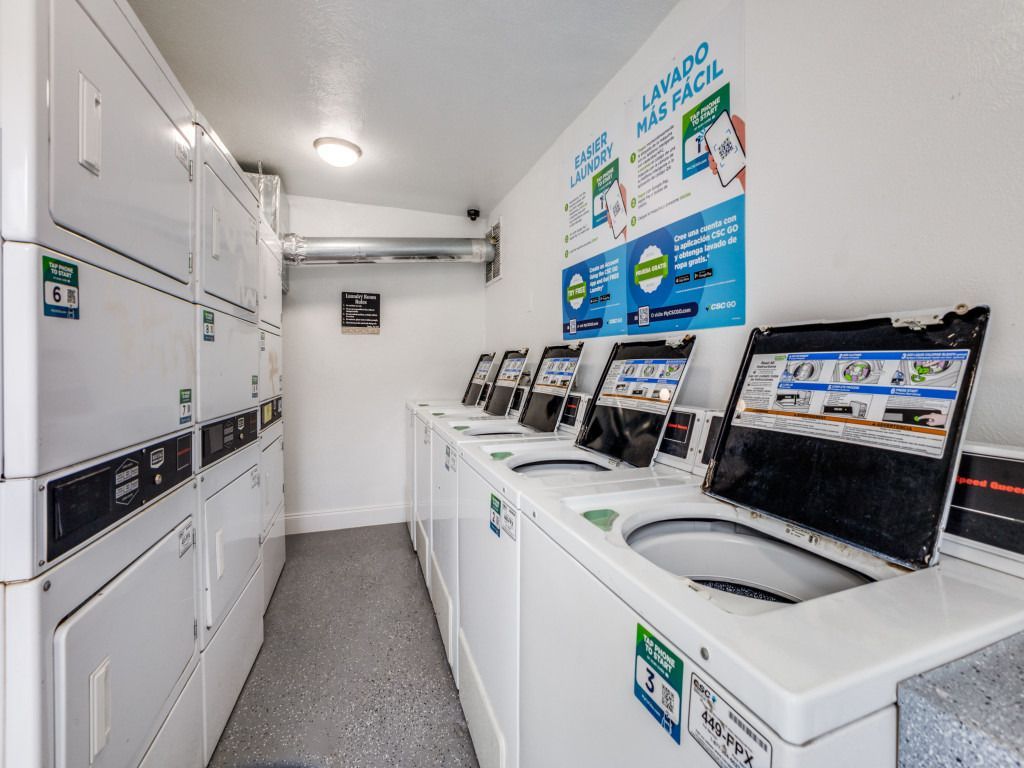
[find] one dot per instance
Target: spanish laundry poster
(654, 206)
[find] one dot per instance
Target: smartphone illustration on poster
(615, 204)
(725, 148)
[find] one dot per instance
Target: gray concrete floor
(352, 672)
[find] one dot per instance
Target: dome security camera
(473, 214)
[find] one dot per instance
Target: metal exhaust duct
(301, 250)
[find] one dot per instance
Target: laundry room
(393, 384)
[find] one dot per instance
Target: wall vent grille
(493, 271)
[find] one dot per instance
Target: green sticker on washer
(602, 518)
(499, 455)
(658, 681)
(184, 406)
(60, 288)
(461, 427)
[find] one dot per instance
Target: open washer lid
(852, 430)
(478, 379)
(510, 371)
(630, 408)
(542, 407)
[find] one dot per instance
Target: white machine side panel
(273, 558)
(489, 606)
(118, 658)
(78, 388)
(411, 431)
(229, 534)
(228, 233)
(179, 744)
(270, 282)
(228, 659)
(421, 505)
(578, 645)
(228, 366)
(272, 481)
(119, 165)
(271, 380)
(444, 507)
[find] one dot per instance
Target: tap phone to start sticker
(725, 148)
(615, 204)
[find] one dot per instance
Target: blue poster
(594, 296)
(690, 274)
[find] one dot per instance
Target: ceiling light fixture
(337, 152)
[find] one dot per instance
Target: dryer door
(270, 366)
(230, 532)
(229, 364)
(119, 658)
(272, 482)
(228, 232)
(270, 283)
(119, 169)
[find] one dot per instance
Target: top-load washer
(617, 441)
(772, 626)
(97, 143)
(539, 419)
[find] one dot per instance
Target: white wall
(885, 175)
(345, 394)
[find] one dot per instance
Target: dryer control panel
(270, 412)
(88, 501)
(227, 435)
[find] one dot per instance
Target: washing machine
(97, 146)
(772, 626)
(539, 420)
(230, 523)
(414, 431)
(617, 440)
(99, 648)
(512, 363)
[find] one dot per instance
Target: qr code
(72, 297)
(572, 326)
(668, 700)
(726, 148)
(644, 316)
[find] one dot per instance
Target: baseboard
(337, 519)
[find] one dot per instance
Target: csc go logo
(720, 305)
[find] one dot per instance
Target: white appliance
(97, 650)
(272, 544)
(227, 235)
(81, 377)
(542, 410)
(97, 144)
(413, 432)
(771, 627)
(228, 364)
(230, 522)
(271, 269)
(624, 421)
(271, 382)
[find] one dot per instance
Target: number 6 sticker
(60, 289)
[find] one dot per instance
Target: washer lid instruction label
(642, 385)
(898, 401)
(658, 681)
(730, 740)
(555, 374)
(60, 288)
(208, 325)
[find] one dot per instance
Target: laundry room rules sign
(654, 204)
(360, 313)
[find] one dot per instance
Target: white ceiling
(451, 100)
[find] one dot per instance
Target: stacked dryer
(271, 401)
(97, 504)
(230, 517)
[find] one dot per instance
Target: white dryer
(617, 441)
(771, 627)
(97, 649)
(230, 523)
(97, 146)
(272, 538)
(270, 281)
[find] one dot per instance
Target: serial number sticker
(724, 734)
